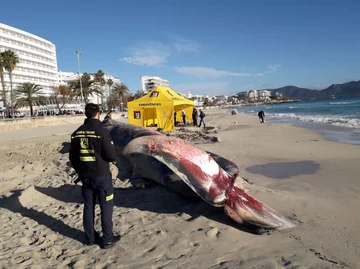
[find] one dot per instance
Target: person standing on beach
(261, 116)
(91, 150)
(195, 116)
(202, 116)
(183, 113)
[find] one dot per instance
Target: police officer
(91, 150)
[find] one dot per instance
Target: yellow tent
(158, 107)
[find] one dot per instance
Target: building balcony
(15, 33)
(38, 68)
(33, 75)
(26, 44)
(22, 51)
(34, 60)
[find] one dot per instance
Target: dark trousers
(184, 119)
(202, 121)
(195, 121)
(101, 188)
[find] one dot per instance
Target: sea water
(336, 119)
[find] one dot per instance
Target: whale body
(188, 170)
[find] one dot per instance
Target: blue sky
(201, 46)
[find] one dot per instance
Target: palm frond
(10, 60)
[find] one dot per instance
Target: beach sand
(294, 170)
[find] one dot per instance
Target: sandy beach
(296, 171)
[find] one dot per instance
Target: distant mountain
(349, 89)
(294, 92)
(344, 90)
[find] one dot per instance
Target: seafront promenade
(24, 123)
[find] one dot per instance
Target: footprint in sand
(53, 252)
(28, 241)
(25, 258)
(213, 233)
(78, 264)
(56, 163)
(194, 244)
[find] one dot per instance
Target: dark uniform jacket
(91, 149)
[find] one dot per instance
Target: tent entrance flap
(166, 118)
(150, 117)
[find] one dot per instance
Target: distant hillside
(350, 89)
(297, 93)
(345, 90)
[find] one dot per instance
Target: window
(154, 94)
(137, 115)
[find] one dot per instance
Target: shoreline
(340, 134)
(330, 132)
(337, 120)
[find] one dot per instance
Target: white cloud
(202, 88)
(206, 72)
(273, 68)
(150, 54)
(182, 44)
(157, 53)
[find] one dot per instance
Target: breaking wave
(342, 121)
(342, 103)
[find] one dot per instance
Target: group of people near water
(195, 116)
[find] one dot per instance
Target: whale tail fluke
(245, 209)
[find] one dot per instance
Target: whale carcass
(189, 170)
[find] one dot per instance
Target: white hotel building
(38, 64)
(37, 59)
(148, 83)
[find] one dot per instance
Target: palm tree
(111, 101)
(3, 83)
(120, 90)
(54, 96)
(65, 93)
(10, 60)
(138, 94)
(29, 93)
(110, 82)
(89, 87)
(100, 80)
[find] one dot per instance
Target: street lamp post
(121, 103)
(78, 53)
